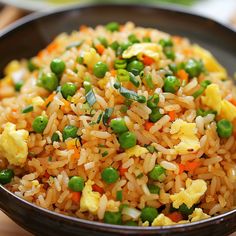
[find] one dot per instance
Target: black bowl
(31, 34)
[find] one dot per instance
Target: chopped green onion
(55, 137)
(74, 45)
(124, 109)
(105, 153)
(139, 176)
(87, 86)
(141, 99)
(129, 94)
(117, 85)
(155, 115)
(201, 112)
(120, 64)
(27, 109)
(80, 60)
(185, 210)
(107, 114)
(99, 118)
(200, 91)
(31, 66)
(154, 189)
(153, 101)
(91, 98)
(147, 39)
(103, 41)
(119, 195)
(134, 80)
(151, 149)
(123, 75)
(18, 85)
(149, 81)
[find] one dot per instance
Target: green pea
(122, 47)
(76, 184)
(103, 41)
(185, 210)
(68, 89)
(18, 85)
(39, 124)
(154, 189)
(135, 67)
(155, 115)
(114, 45)
(141, 99)
(131, 223)
(49, 81)
(114, 218)
(80, 60)
(147, 40)
(31, 66)
(166, 42)
(120, 64)
(157, 173)
(6, 176)
(127, 140)
(148, 214)
(170, 54)
(194, 68)
(55, 137)
(153, 101)
(100, 69)
(119, 195)
(224, 128)
(118, 125)
(69, 131)
(133, 39)
(57, 66)
(171, 84)
(110, 175)
(112, 26)
(123, 75)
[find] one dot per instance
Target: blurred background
(223, 11)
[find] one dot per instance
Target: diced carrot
(100, 49)
(76, 154)
(192, 166)
(187, 51)
(96, 188)
(49, 99)
(83, 28)
(122, 170)
(183, 75)
(147, 61)
(148, 125)
(175, 216)
(177, 39)
(52, 47)
(119, 99)
(181, 168)
(66, 107)
(233, 101)
(40, 54)
(14, 109)
(46, 175)
(113, 72)
(75, 197)
(172, 115)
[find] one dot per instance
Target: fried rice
(149, 149)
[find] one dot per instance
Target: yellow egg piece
(212, 97)
(197, 215)
(13, 144)
(136, 151)
(162, 220)
(191, 195)
(186, 132)
(89, 200)
(228, 110)
(12, 67)
(138, 49)
(91, 58)
(210, 62)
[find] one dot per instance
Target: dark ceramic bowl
(31, 34)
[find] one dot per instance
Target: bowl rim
(95, 224)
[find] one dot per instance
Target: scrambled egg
(211, 64)
(102, 82)
(13, 144)
(212, 97)
(138, 49)
(37, 101)
(112, 206)
(89, 200)
(228, 110)
(214, 101)
(186, 132)
(12, 67)
(91, 58)
(197, 215)
(194, 191)
(162, 220)
(136, 151)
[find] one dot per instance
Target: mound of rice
(178, 166)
